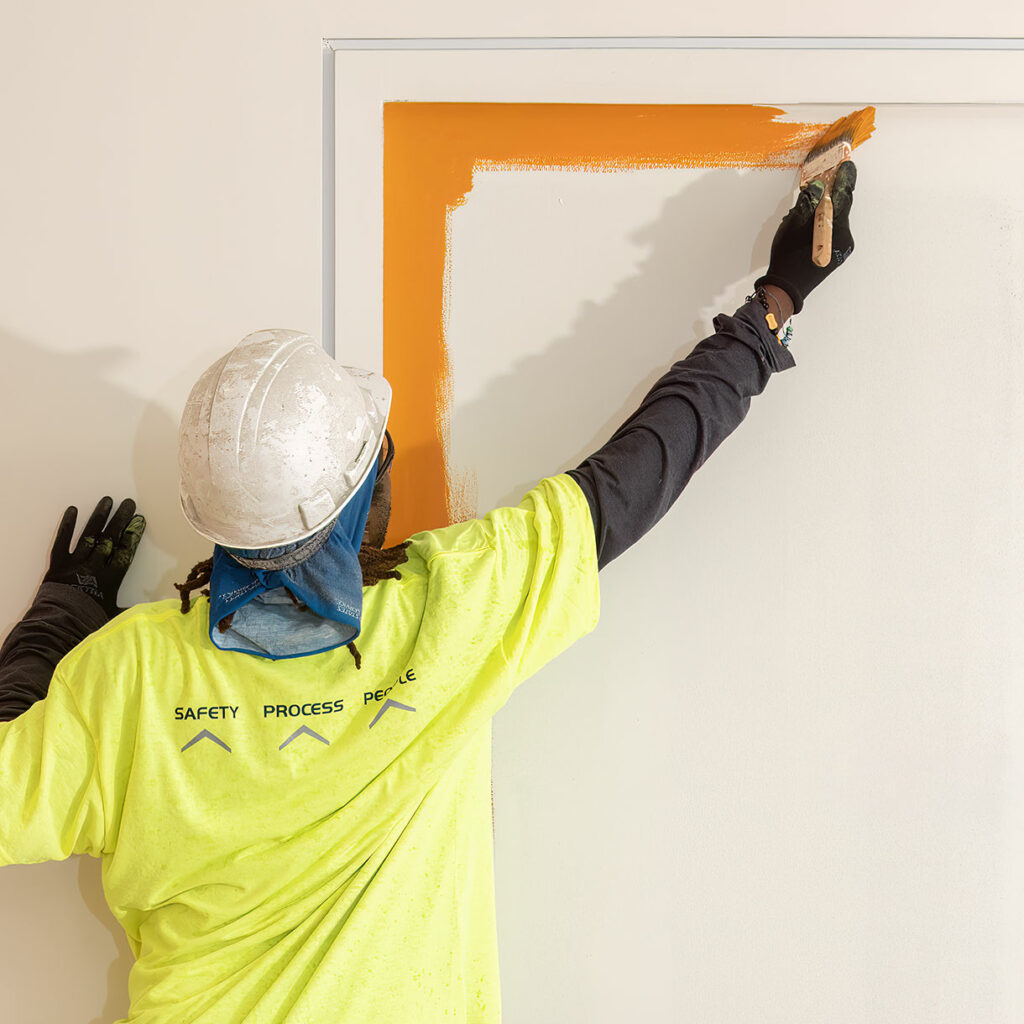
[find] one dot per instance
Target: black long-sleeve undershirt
(59, 619)
(632, 481)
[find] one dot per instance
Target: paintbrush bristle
(853, 129)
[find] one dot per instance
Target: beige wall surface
(160, 196)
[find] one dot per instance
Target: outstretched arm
(77, 596)
(633, 480)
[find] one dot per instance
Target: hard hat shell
(276, 437)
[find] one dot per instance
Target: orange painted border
(430, 152)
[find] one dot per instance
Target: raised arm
(77, 596)
(633, 480)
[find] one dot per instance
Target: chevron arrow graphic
(389, 703)
(298, 732)
(205, 735)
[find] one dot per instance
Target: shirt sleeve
(60, 618)
(548, 558)
(51, 804)
(499, 597)
(634, 479)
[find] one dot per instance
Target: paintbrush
(835, 145)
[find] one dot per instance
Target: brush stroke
(430, 153)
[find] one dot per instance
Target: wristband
(782, 336)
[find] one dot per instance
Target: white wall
(160, 195)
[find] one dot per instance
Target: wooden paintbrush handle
(821, 245)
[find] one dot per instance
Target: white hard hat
(275, 438)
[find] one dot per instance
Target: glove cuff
(787, 286)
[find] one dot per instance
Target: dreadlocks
(197, 579)
(376, 564)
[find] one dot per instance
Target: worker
(289, 781)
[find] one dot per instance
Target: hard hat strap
(290, 559)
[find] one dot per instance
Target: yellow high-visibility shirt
(298, 841)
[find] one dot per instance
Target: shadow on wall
(74, 433)
(68, 434)
(155, 464)
(90, 885)
(549, 403)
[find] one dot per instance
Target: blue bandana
(322, 572)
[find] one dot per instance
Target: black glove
(102, 554)
(791, 267)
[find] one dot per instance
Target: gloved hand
(791, 267)
(102, 555)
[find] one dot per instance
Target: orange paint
(855, 128)
(430, 151)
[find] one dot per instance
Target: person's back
(302, 839)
